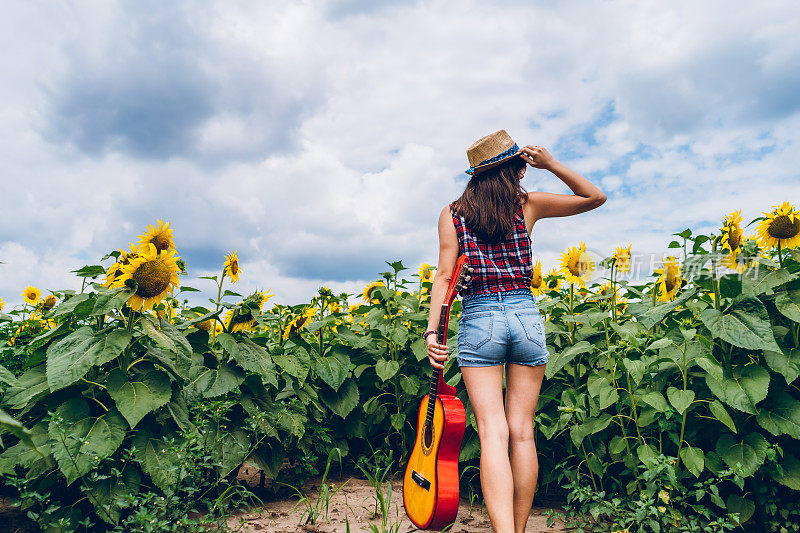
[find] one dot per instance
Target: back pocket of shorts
(475, 329)
(533, 325)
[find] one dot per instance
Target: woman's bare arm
(448, 253)
(587, 196)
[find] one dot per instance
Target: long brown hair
(489, 202)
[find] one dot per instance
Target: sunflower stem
(780, 255)
(714, 280)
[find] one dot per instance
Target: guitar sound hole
(428, 435)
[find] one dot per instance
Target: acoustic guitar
(430, 483)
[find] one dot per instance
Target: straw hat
(490, 151)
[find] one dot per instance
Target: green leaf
(80, 441)
(693, 459)
(744, 389)
(781, 415)
(168, 337)
(788, 303)
(180, 412)
(791, 472)
(251, 357)
(398, 420)
(106, 493)
(751, 451)
(386, 369)
(419, 348)
(69, 359)
(646, 451)
(786, 365)
(333, 368)
(293, 422)
(654, 315)
(235, 447)
(680, 399)
(559, 360)
(212, 382)
(343, 402)
(15, 427)
(72, 304)
(89, 271)
(136, 398)
(745, 323)
(7, 377)
(296, 362)
(721, 414)
(636, 368)
(765, 280)
(109, 300)
(158, 461)
(743, 506)
(656, 401)
(32, 384)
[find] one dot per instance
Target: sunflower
(2, 304)
(577, 265)
(366, 294)
(115, 270)
(205, 325)
(217, 329)
(263, 298)
(732, 240)
(552, 281)
(31, 295)
(335, 307)
(297, 323)
(49, 301)
(670, 279)
(605, 289)
(537, 283)
(231, 266)
(352, 308)
(243, 321)
(622, 258)
(156, 274)
(425, 272)
(780, 227)
(160, 237)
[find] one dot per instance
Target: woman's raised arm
(587, 196)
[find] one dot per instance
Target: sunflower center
(161, 242)
(734, 238)
(783, 228)
(235, 268)
(153, 278)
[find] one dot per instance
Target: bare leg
(523, 384)
(485, 389)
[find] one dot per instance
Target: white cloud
(325, 139)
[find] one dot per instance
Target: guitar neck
(436, 377)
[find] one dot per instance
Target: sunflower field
(669, 404)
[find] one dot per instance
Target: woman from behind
(500, 326)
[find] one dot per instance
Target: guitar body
(436, 506)
(430, 482)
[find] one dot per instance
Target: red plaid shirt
(504, 266)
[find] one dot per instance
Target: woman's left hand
(537, 156)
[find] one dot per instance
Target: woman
(500, 322)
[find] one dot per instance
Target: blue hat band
(511, 151)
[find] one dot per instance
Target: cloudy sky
(321, 139)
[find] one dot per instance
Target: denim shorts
(501, 327)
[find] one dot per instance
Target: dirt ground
(356, 502)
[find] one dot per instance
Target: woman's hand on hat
(537, 156)
(437, 353)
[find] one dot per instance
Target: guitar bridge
(420, 480)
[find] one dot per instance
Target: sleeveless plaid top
(503, 266)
